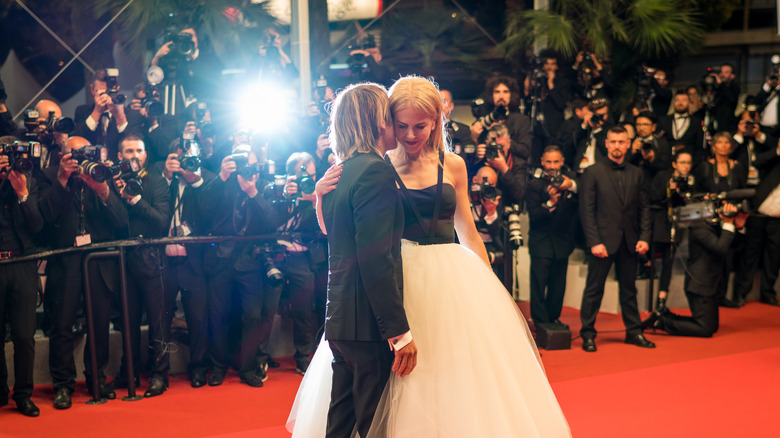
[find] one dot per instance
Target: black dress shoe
(198, 378)
(157, 387)
(725, 302)
(216, 378)
(27, 407)
(639, 340)
(62, 399)
(105, 391)
(272, 363)
(302, 364)
(252, 379)
(262, 373)
(650, 321)
(772, 301)
(560, 324)
(589, 345)
(739, 301)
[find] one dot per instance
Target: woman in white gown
(478, 372)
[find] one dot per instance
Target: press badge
(752, 178)
(83, 239)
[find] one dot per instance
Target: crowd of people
(608, 180)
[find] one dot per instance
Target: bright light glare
(264, 108)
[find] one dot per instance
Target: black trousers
(104, 291)
(360, 372)
(547, 274)
(180, 275)
(625, 260)
(62, 301)
(248, 289)
(703, 321)
(18, 293)
(667, 262)
(762, 249)
(271, 297)
(300, 297)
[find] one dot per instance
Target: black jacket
(26, 217)
(707, 248)
(551, 232)
(364, 218)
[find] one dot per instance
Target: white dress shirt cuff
(400, 341)
(134, 200)
(489, 219)
(91, 123)
(728, 227)
(121, 128)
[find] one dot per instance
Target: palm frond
(525, 28)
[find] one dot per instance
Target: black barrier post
(95, 388)
(131, 395)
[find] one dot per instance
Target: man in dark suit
(550, 92)
(77, 210)
(148, 215)
(104, 121)
(590, 136)
(20, 219)
(768, 101)
(551, 201)
(707, 247)
(616, 221)
(682, 128)
(726, 98)
(364, 220)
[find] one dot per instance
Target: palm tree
(651, 28)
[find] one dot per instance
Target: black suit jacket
(692, 138)
(707, 248)
(768, 165)
(148, 218)
(551, 233)
(112, 136)
(27, 219)
(607, 217)
(364, 218)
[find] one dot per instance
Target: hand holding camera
(228, 167)
(727, 213)
(68, 166)
(248, 186)
(18, 179)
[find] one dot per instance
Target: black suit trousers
(360, 373)
(181, 276)
(703, 321)
(762, 249)
(548, 286)
(17, 306)
(625, 260)
(300, 296)
(103, 297)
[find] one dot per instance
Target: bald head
(44, 107)
(488, 172)
(74, 143)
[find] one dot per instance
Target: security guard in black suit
(552, 204)
(77, 210)
(20, 219)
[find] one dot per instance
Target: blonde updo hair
(422, 95)
(355, 120)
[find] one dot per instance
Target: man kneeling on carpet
(708, 243)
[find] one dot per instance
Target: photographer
(52, 130)
(271, 63)
(725, 90)
(683, 128)
(304, 252)
(234, 267)
(158, 129)
(669, 189)
(501, 107)
(104, 121)
(716, 175)
(78, 210)
(660, 97)
(458, 133)
(185, 63)
(591, 135)
(697, 107)
(549, 91)
(649, 152)
(552, 210)
(183, 265)
(485, 207)
(511, 169)
(147, 200)
(365, 62)
(708, 243)
(768, 102)
(750, 141)
(20, 220)
(593, 80)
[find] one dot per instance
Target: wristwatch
(549, 204)
(23, 199)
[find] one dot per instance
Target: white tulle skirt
(478, 372)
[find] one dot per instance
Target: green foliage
(654, 28)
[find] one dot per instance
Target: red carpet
(720, 387)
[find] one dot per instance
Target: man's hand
(490, 205)
(101, 189)
(291, 188)
(642, 247)
(499, 163)
(567, 184)
(228, 167)
(164, 50)
(636, 146)
(120, 185)
(555, 195)
(68, 166)
(18, 182)
(3, 162)
(405, 360)
(476, 131)
(599, 250)
(248, 185)
(730, 210)
(172, 165)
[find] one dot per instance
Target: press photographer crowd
(173, 159)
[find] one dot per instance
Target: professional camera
(597, 119)
(709, 205)
(483, 190)
(492, 150)
(112, 84)
(183, 45)
(514, 229)
(189, 160)
(481, 111)
(357, 60)
(22, 156)
(684, 182)
(90, 159)
(247, 170)
(647, 145)
(130, 171)
(268, 254)
(306, 183)
(554, 181)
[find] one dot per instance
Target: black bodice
(425, 201)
